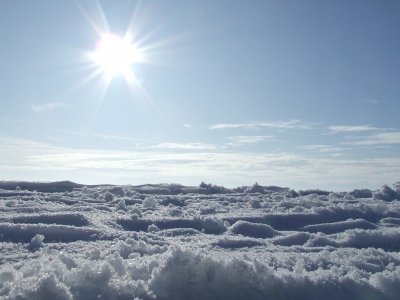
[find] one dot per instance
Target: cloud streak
(187, 146)
(49, 107)
(252, 139)
(292, 124)
(336, 129)
(323, 148)
(373, 101)
(378, 139)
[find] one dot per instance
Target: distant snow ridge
(68, 241)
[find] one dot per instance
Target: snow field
(207, 242)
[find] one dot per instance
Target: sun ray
(102, 93)
(103, 16)
(133, 21)
(91, 21)
(85, 80)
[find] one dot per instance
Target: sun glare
(115, 55)
(119, 57)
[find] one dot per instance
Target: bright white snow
(65, 241)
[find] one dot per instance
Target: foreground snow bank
(181, 273)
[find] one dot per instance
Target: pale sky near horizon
(303, 94)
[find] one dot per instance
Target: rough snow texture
(68, 241)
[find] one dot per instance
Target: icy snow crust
(167, 241)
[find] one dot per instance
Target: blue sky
(303, 94)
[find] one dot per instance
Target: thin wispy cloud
(240, 140)
(188, 146)
(361, 128)
(377, 139)
(139, 142)
(49, 107)
(292, 124)
(323, 148)
(373, 101)
(112, 137)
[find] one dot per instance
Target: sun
(115, 55)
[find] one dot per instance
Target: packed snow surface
(63, 240)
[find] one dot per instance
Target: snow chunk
(176, 201)
(117, 190)
(255, 203)
(255, 230)
(390, 221)
(213, 225)
(214, 189)
(330, 228)
(47, 286)
(362, 193)
(386, 194)
(85, 190)
(68, 261)
(108, 197)
(234, 243)
(121, 205)
(173, 212)
(317, 192)
(36, 242)
(95, 275)
(388, 239)
(153, 228)
(299, 238)
(150, 202)
(136, 211)
(11, 203)
(256, 188)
